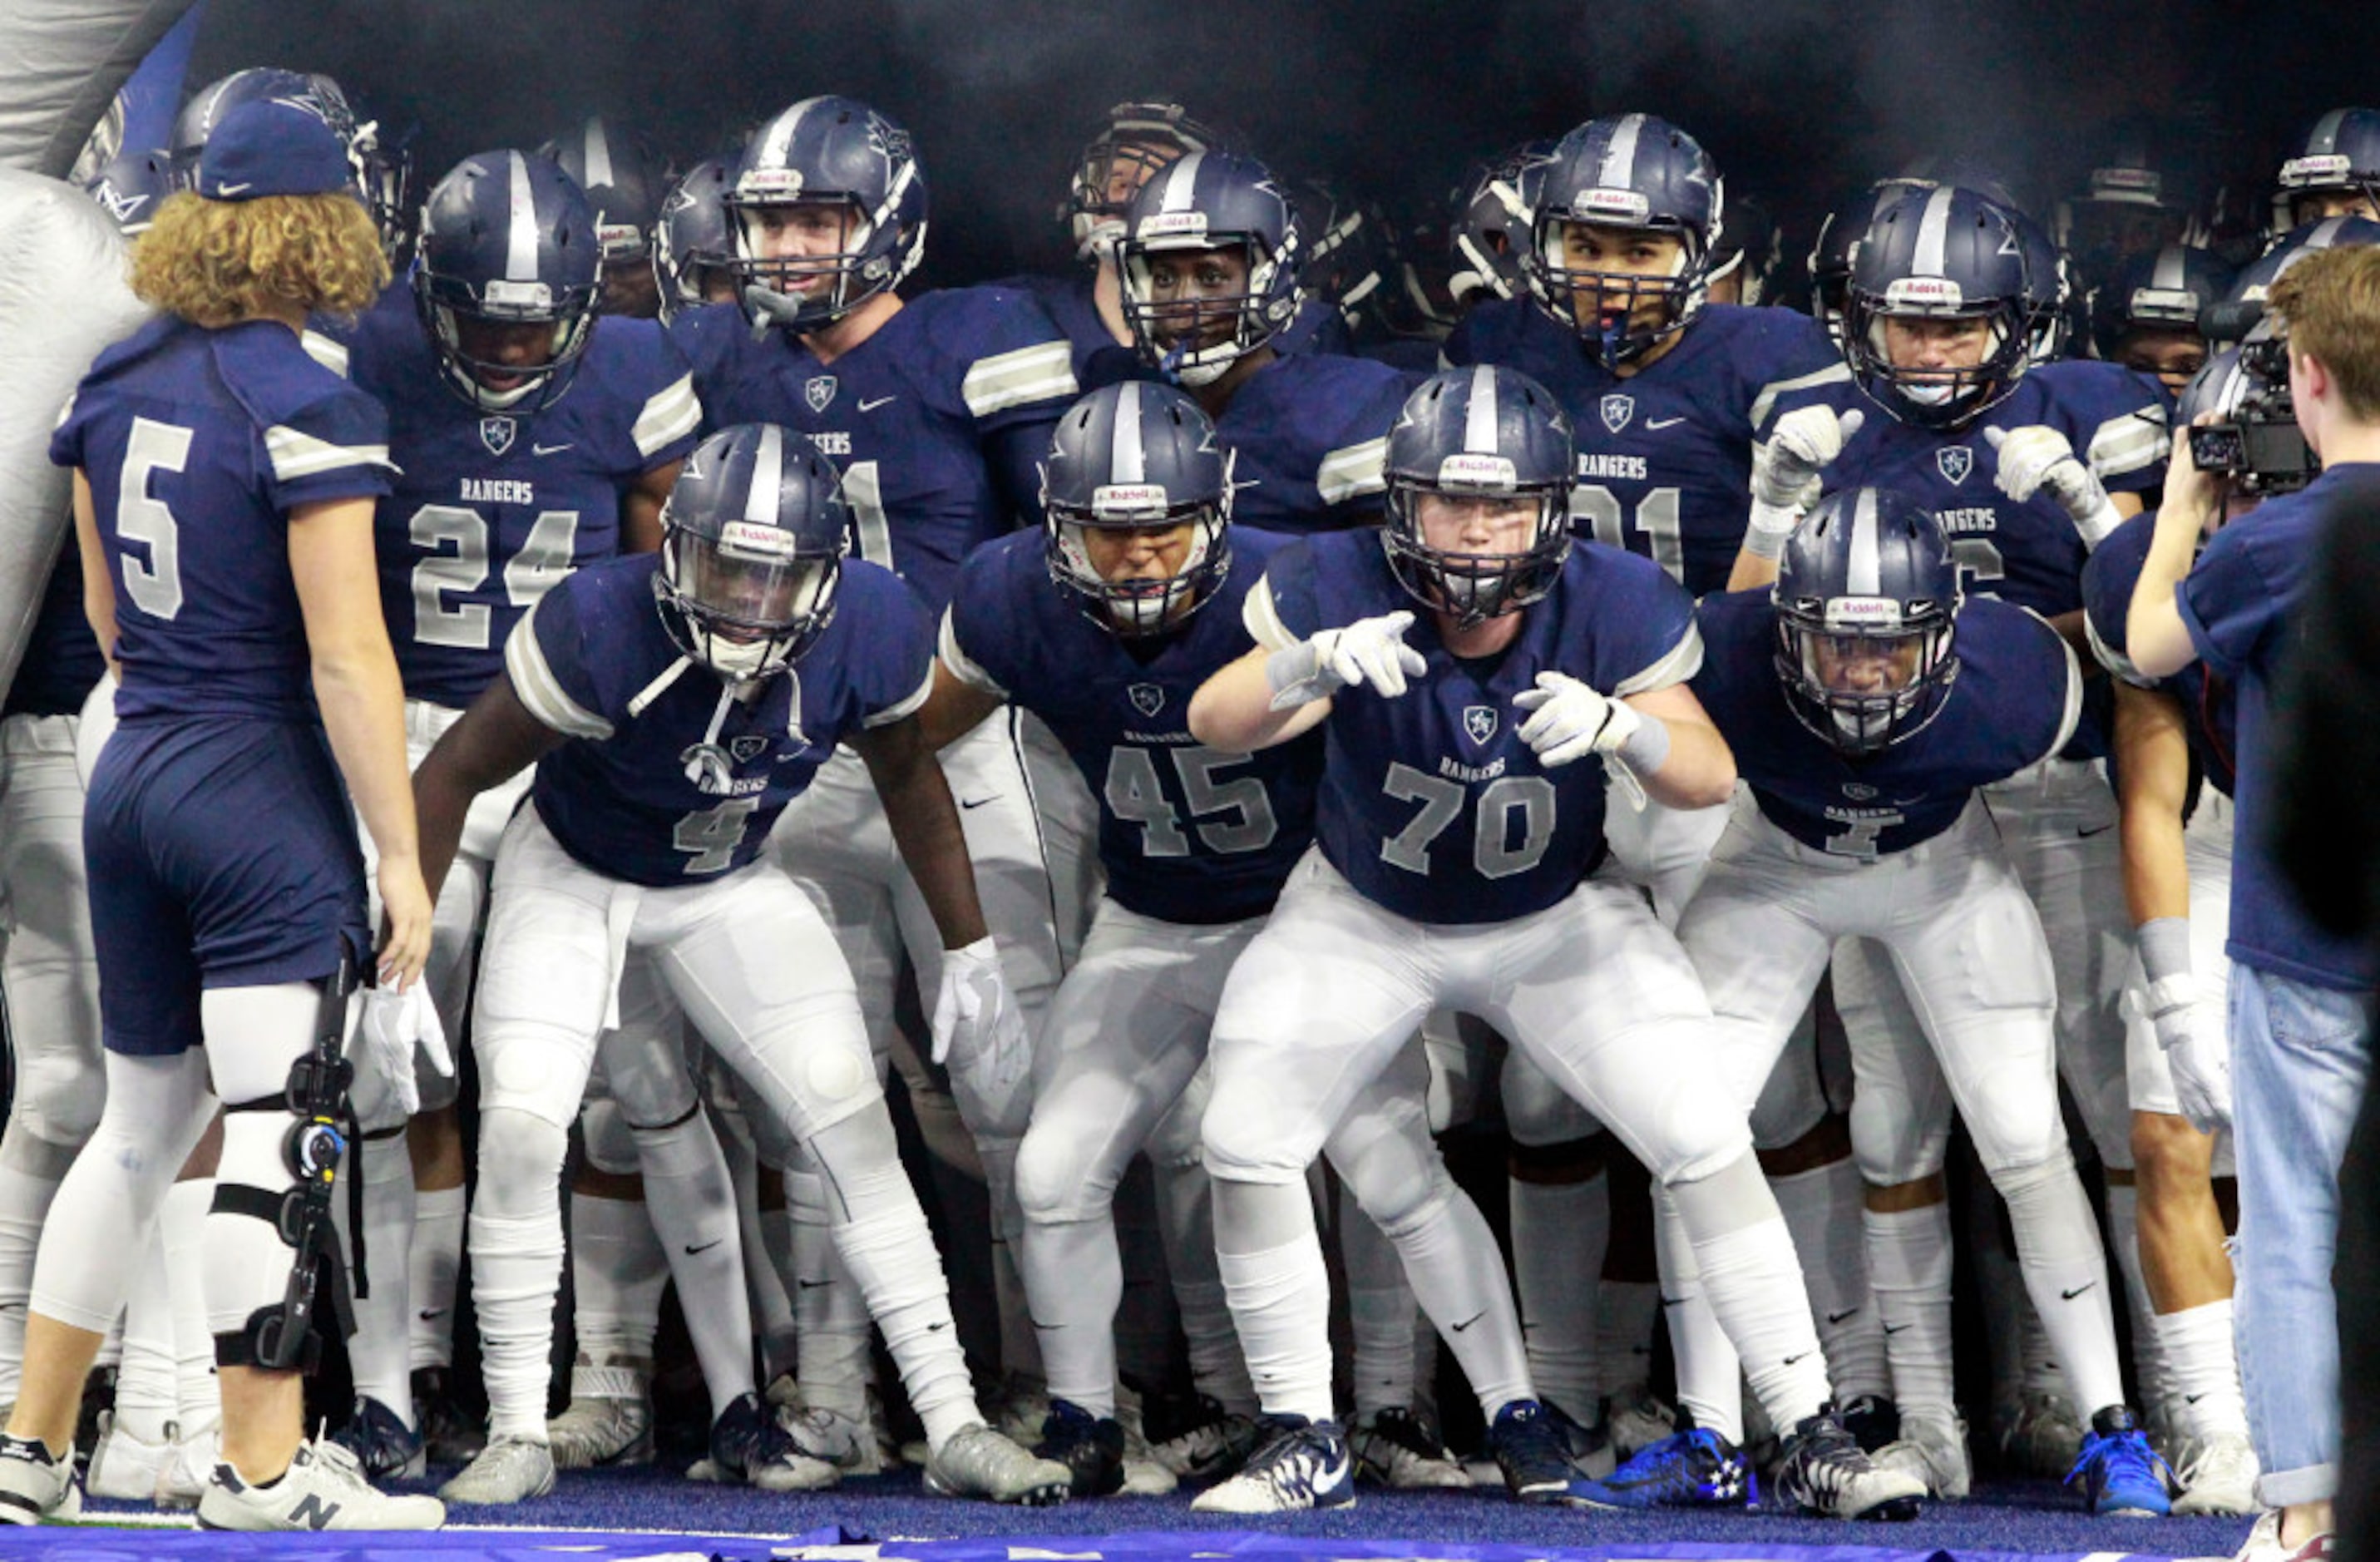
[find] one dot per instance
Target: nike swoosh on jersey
(867, 406)
(549, 450)
(1652, 423)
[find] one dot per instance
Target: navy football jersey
(489, 510)
(938, 420)
(62, 660)
(621, 800)
(1665, 455)
(1070, 304)
(1187, 834)
(2017, 697)
(1432, 805)
(1308, 437)
(2210, 714)
(197, 445)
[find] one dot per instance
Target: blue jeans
(2299, 1060)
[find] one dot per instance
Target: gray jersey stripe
(1863, 572)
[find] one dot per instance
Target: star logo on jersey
(746, 750)
(1859, 791)
(1956, 462)
(1479, 723)
(1146, 698)
(497, 434)
(819, 392)
(1617, 410)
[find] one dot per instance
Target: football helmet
(131, 188)
(1622, 171)
(1130, 457)
(1210, 200)
(1839, 234)
(1491, 226)
(1138, 139)
(839, 153)
(2340, 154)
(2232, 320)
(753, 537)
(2128, 208)
(2049, 289)
(1867, 598)
(693, 239)
(382, 172)
(1949, 255)
(624, 178)
(1749, 249)
(507, 238)
(2167, 289)
(1349, 250)
(1480, 433)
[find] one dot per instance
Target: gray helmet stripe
(1863, 573)
(2325, 132)
(768, 476)
(2169, 272)
(1182, 183)
(1479, 423)
(1933, 232)
(1618, 170)
(520, 239)
(772, 153)
(599, 154)
(1124, 462)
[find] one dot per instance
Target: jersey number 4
(1134, 794)
(456, 538)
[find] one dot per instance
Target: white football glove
(2037, 457)
(1568, 721)
(396, 1024)
(980, 1033)
(2197, 1051)
(1369, 651)
(1785, 472)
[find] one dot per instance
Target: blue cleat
(2121, 1475)
(1695, 1468)
(1301, 1464)
(384, 1445)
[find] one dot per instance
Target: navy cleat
(748, 1444)
(1091, 1448)
(1695, 1468)
(2121, 1475)
(1301, 1464)
(385, 1447)
(1193, 1435)
(1872, 1420)
(1529, 1441)
(1821, 1469)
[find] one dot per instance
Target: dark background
(1798, 100)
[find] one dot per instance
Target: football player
(624, 181)
(1455, 840)
(2027, 467)
(1869, 701)
(693, 241)
(532, 437)
(936, 409)
(2335, 172)
(672, 706)
(2175, 740)
(2147, 318)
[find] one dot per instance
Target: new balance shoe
(1393, 1448)
(1300, 1464)
(1194, 1436)
(385, 1445)
(610, 1418)
(449, 1431)
(508, 1470)
(748, 1444)
(35, 1483)
(979, 1462)
(2221, 1478)
(1090, 1446)
(1638, 1420)
(323, 1489)
(1695, 1468)
(1822, 1470)
(1528, 1441)
(124, 1468)
(2121, 1475)
(1932, 1447)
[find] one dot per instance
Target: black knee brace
(287, 1337)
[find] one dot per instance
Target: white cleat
(609, 1420)
(978, 1462)
(182, 1480)
(2221, 1478)
(34, 1484)
(508, 1470)
(1638, 1420)
(323, 1489)
(1933, 1447)
(1300, 1465)
(125, 1467)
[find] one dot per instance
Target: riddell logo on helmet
(1174, 225)
(1923, 292)
(1862, 613)
(755, 540)
(770, 184)
(1473, 471)
(1618, 205)
(2329, 166)
(1121, 501)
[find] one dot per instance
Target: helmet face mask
(1138, 139)
(825, 158)
(752, 547)
(2335, 172)
(1625, 179)
(1938, 320)
(1480, 471)
(1866, 600)
(692, 241)
(1209, 263)
(1137, 499)
(507, 260)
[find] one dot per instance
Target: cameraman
(2298, 994)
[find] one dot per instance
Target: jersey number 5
(156, 588)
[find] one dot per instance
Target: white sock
(2066, 1274)
(516, 1265)
(1278, 1289)
(147, 1390)
(434, 1263)
(1458, 1276)
(1019, 1351)
(1754, 1281)
(1709, 1377)
(1909, 1271)
(764, 1283)
(772, 1308)
(617, 1274)
(689, 1195)
(2203, 1368)
(30, 1169)
(1822, 1209)
(182, 1227)
(1626, 1314)
(1185, 1215)
(830, 1319)
(1074, 1276)
(380, 1352)
(2124, 1239)
(1380, 1312)
(1560, 1233)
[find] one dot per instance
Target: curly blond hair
(216, 262)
